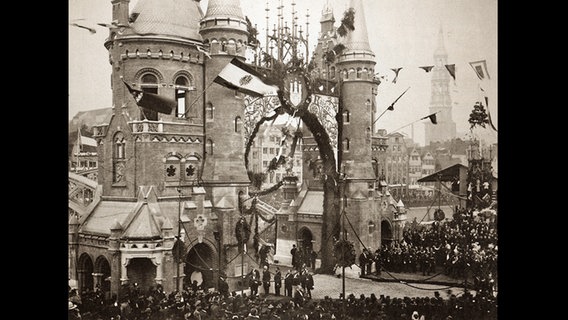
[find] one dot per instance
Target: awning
(447, 174)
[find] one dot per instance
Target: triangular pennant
(427, 68)
(452, 70)
(432, 118)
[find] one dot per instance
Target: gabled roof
(143, 225)
(312, 203)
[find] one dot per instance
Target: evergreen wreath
(344, 253)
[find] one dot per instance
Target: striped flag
(239, 76)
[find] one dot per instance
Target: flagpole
(391, 105)
(78, 146)
(196, 99)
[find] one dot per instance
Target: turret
(356, 65)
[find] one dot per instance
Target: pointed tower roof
(441, 50)
(177, 18)
(224, 9)
(358, 39)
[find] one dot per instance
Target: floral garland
(344, 253)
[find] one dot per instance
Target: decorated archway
(200, 264)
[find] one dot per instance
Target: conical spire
(224, 9)
(358, 39)
(441, 50)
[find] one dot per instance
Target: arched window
(346, 115)
(346, 144)
(149, 83)
(119, 157)
(181, 93)
(332, 73)
(209, 146)
(238, 124)
(192, 165)
(359, 72)
(172, 168)
(210, 111)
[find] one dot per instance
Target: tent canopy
(447, 174)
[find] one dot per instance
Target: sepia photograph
(282, 159)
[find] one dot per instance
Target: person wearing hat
(253, 314)
(254, 281)
(73, 312)
(288, 283)
(277, 281)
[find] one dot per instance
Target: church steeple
(327, 19)
(441, 101)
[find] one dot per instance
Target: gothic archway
(85, 272)
(305, 240)
(200, 264)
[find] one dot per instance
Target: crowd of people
(465, 246)
(155, 304)
(466, 242)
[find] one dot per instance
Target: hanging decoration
(344, 253)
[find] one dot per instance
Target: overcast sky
(402, 33)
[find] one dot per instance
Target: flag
(152, 101)
(237, 75)
(427, 68)
(396, 70)
(480, 68)
(432, 118)
(452, 70)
